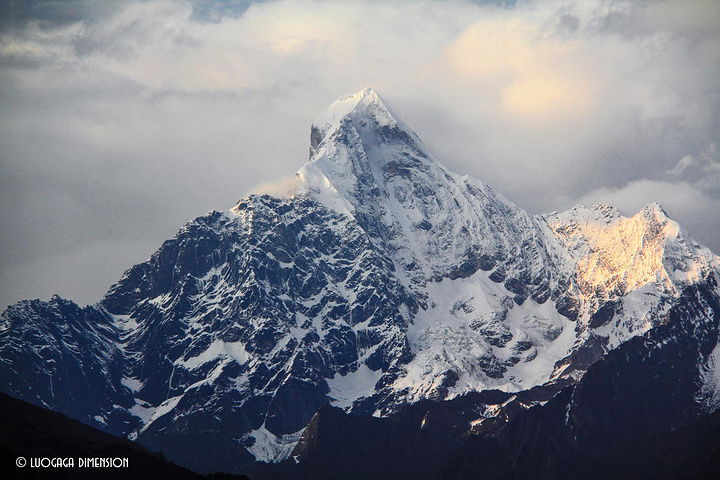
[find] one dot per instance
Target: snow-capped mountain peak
(352, 144)
(614, 255)
(363, 107)
(385, 280)
(365, 162)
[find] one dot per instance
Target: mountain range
(390, 306)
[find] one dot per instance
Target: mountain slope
(32, 432)
(634, 414)
(384, 280)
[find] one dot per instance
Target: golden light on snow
(623, 254)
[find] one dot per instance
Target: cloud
(530, 72)
(688, 161)
(283, 187)
(122, 120)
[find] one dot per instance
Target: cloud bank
(119, 121)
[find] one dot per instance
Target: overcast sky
(120, 121)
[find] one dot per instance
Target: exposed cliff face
(634, 414)
(384, 280)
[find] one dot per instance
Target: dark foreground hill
(31, 432)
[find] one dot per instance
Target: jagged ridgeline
(383, 281)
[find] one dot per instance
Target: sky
(121, 121)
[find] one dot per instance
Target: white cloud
(685, 162)
(282, 187)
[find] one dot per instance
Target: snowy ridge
(384, 280)
(616, 255)
(366, 102)
(429, 219)
(634, 265)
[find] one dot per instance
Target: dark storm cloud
(216, 11)
(16, 13)
(49, 14)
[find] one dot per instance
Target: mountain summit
(366, 163)
(358, 109)
(384, 281)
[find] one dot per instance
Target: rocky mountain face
(383, 283)
(635, 414)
